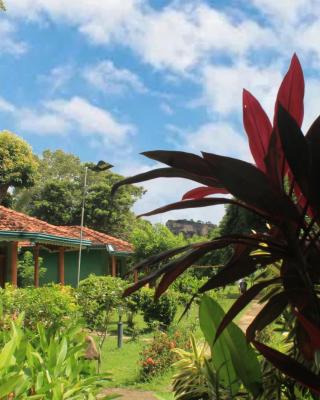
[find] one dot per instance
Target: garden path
(128, 394)
(249, 315)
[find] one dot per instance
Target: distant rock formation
(189, 228)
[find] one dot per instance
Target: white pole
(81, 225)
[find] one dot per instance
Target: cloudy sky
(108, 79)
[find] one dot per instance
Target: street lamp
(99, 167)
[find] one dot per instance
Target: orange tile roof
(11, 220)
(100, 238)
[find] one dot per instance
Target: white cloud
(166, 108)
(6, 106)
(177, 37)
(220, 138)
(57, 78)
(42, 123)
(8, 42)
(75, 116)
(106, 77)
(285, 10)
(223, 86)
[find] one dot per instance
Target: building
(59, 247)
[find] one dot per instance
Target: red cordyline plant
(283, 187)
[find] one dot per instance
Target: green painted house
(59, 246)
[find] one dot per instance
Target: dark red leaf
(248, 184)
(274, 161)
(203, 191)
(160, 257)
(258, 128)
(163, 173)
(239, 266)
(177, 268)
(186, 161)
(296, 150)
(268, 314)
(313, 140)
(290, 367)
(205, 202)
(291, 92)
(242, 302)
(312, 330)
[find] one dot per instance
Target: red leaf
(242, 302)
(312, 330)
(203, 191)
(268, 314)
(290, 367)
(291, 92)
(258, 128)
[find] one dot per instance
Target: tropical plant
(283, 189)
(191, 379)
(46, 364)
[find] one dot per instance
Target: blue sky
(108, 79)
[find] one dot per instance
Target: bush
(97, 297)
(52, 305)
(185, 286)
(162, 311)
(157, 356)
(26, 269)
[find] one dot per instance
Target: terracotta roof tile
(11, 220)
(97, 237)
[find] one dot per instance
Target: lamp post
(120, 328)
(99, 167)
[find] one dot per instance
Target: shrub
(185, 286)
(26, 269)
(97, 297)
(52, 305)
(162, 311)
(157, 356)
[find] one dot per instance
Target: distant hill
(189, 228)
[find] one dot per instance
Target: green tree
(57, 196)
(149, 240)
(18, 165)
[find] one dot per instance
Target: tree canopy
(18, 165)
(57, 195)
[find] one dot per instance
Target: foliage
(157, 356)
(282, 188)
(46, 364)
(18, 164)
(161, 311)
(26, 269)
(232, 356)
(194, 377)
(98, 296)
(53, 305)
(149, 240)
(186, 286)
(57, 196)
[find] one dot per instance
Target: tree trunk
(3, 192)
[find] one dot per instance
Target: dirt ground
(249, 315)
(127, 394)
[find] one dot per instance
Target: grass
(124, 363)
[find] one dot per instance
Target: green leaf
(232, 343)
(210, 315)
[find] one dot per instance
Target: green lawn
(124, 363)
